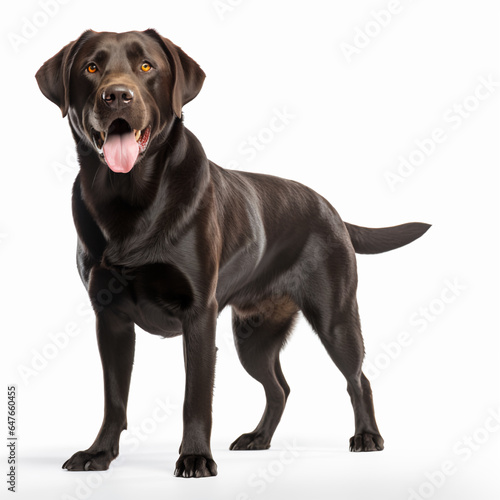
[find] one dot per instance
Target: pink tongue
(120, 152)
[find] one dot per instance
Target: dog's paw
(195, 466)
(86, 460)
(251, 441)
(366, 442)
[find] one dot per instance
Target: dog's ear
(188, 76)
(53, 77)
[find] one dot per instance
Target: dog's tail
(377, 240)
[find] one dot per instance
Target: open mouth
(121, 145)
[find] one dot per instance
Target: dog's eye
(92, 68)
(146, 67)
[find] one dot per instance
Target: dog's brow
(135, 49)
(100, 55)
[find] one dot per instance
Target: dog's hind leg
(344, 344)
(333, 313)
(259, 336)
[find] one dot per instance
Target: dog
(167, 239)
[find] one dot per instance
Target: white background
(352, 120)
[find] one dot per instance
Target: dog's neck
(120, 203)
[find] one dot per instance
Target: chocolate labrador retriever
(167, 239)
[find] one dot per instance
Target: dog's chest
(161, 294)
(162, 277)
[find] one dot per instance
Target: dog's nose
(117, 96)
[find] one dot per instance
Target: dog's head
(122, 91)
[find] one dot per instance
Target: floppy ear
(53, 76)
(188, 76)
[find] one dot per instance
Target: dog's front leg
(116, 341)
(199, 356)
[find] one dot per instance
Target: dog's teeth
(103, 136)
(137, 135)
